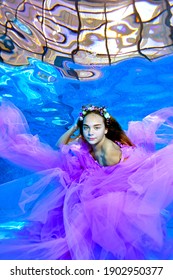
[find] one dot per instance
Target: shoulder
(112, 147)
(112, 153)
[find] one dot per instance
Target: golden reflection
(89, 32)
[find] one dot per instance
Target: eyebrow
(99, 124)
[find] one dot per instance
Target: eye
(85, 127)
(97, 127)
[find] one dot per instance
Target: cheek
(100, 133)
(103, 131)
(84, 132)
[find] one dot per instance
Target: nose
(90, 132)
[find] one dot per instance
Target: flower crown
(101, 110)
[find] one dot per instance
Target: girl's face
(94, 128)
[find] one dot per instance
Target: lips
(91, 139)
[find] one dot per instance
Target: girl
(102, 132)
(98, 197)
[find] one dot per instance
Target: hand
(75, 125)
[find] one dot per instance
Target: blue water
(51, 98)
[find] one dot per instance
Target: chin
(92, 142)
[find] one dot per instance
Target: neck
(99, 146)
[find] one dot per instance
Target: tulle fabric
(70, 207)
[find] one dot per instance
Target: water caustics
(95, 32)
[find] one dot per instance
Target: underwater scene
(55, 57)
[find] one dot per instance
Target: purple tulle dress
(70, 207)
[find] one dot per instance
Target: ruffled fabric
(70, 207)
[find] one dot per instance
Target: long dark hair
(115, 131)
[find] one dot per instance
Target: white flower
(106, 115)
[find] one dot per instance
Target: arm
(66, 137)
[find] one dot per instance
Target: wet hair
(115, 131)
